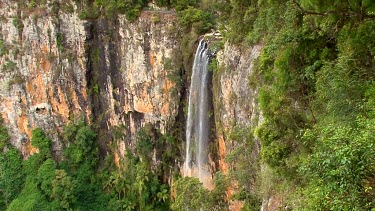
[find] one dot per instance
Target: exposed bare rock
(234, 100)
(48, 76)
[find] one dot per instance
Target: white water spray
(197, 125)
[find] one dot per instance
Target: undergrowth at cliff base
(81, 181)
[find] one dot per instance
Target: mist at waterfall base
(197, 124)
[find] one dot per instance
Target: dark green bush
(198, 20)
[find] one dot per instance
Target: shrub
(193, 18)
(41, 141)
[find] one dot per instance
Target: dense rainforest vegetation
(80, 181)
(316, 83)
(317, 98)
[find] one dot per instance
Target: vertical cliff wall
(236, 110)
(57, 68)
(133, 78)
(235, 98)
(43, 80)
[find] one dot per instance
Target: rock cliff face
(132, 75)
(42, 84)
(57, 68)
(236, 107)
(238, 99)
(234, 101)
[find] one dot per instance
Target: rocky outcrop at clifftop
(57, 68)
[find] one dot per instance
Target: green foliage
(214, 66)
(244, 165)
(170, 145)
(168, 64)
(82, 149)
(38, 172)
(191, 195)
(71, 184)
(63, 189)
(340, 8)
(17, 79)
(32, 197)
(96, 89)
(175, 77)
(140, 182)
(87, 9)
(341, 85)
(32, 201)
(314, 76)
(11, 177)
(136, 187)
(156, 19)
(221, 183)
(32, 3)
(89, 13)
(42, 142)
(45, 175)
(181, 5)
(145, 144)
(341, 168)
(111, 8)
(18, 24)
(9, 66)
(31, 165)
(4, 136)
(118, 132)
(193, 18)
(59, 41)
(163, 3)
(3, 48)
(242, 16)
(188, 44)
(173, 74)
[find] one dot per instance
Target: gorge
(122, 105)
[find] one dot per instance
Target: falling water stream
(197, 125)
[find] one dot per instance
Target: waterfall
(197, 124)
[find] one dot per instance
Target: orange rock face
(30, 150)
(52, 82)
(43, 87)
(222, 154)
(142, 102)
(116, 158)
(234, 103)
